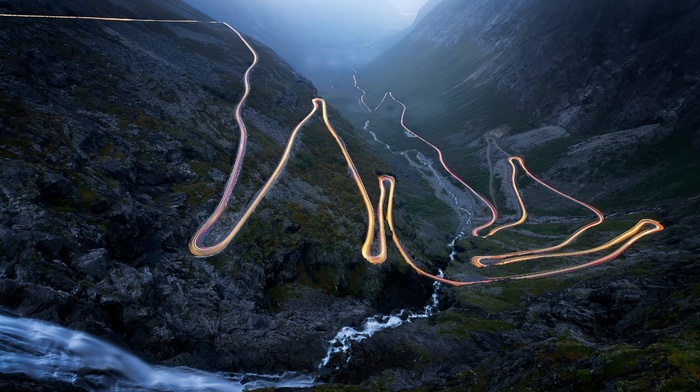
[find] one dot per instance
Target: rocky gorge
(116, 140)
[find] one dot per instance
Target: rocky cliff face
(569, 64)
(597, 97)
(116, 140)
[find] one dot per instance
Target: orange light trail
(494, 213)
(477, 260)
(626, 239)
(387, 188)
(106, 19)
(197, 246)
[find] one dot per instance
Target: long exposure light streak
(197, 246)
(387, 189)
(477, 260)
(362, 97)
(626, 239)
(494, 213)
(382, 101)
(107, 19)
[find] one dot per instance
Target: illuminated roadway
(386, 187)
(643, 228)
(362, 97)
(494, 213)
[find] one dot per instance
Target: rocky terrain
(598, 99)
(116, 139)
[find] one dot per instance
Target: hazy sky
(408, 7)
(313, 34)
(336, 15)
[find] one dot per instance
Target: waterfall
(48, 353)
(342, 342)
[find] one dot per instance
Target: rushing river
(51, 353)
(48, 352)
(341, 344)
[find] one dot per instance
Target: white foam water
(461, 234)
(374, 135)
(48, 353)
(343, 340)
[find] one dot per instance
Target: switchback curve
(387, 188)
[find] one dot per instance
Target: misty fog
(316, 36)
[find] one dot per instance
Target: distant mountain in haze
(313, 34)
(600, 99)
(425, 10)
(578, 65)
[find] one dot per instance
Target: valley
(110, 167)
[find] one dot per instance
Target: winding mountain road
(643, 228)
(376, 253)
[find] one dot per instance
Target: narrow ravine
(341, 344)
(465, 214)
(374, 135)
(457, 204)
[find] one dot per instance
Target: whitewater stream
(346, 336)
(51, 353)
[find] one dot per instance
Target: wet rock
(94, 263)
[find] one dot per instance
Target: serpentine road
(643, 228)
(386, 187)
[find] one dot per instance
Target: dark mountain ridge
(582, 66)
(116, 140)
(114, 137)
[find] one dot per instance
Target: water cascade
(49, 352)
(342, 342)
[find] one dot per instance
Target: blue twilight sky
(408, 7)
(346, 16)
(313, 34)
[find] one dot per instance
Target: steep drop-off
(599, 100)
(116, 140)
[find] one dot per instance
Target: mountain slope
(597, 98)
(116, 141)
(563, 64)
(591, 69)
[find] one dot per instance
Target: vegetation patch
(461, 324)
